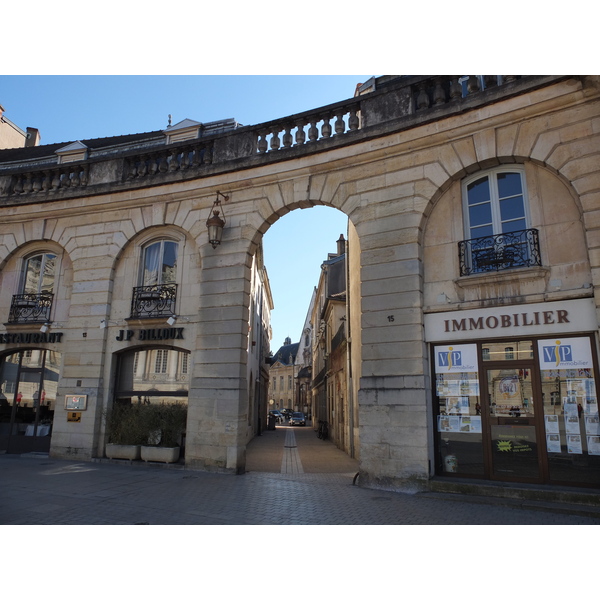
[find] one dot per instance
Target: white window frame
(144, 248)
(494, 198)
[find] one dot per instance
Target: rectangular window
(160, 364)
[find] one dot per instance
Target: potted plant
(165, 423)
(126, 432)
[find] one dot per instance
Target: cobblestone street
(293, 479)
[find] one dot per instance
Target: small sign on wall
(74, 417)
(75, 402)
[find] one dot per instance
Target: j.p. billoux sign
(546, 318)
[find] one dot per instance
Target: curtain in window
(151, 262)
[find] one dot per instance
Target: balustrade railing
(308, 129)
(50, 179)
(169, 160)
(151, 301)
(436, 91)
(30, 308)
(408, 96)
(499, 252)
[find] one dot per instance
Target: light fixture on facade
(215, 223)
(44, 328)
(172, 320)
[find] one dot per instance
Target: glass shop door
(513, 423)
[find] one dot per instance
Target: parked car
(297, 418)
(280, 418)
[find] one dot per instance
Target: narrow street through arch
(295, 451)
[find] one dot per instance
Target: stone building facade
(470, 357)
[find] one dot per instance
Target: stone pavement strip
(293, 478)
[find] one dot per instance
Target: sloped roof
(283, 354)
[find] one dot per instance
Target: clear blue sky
(69, 108)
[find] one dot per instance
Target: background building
(283, 373)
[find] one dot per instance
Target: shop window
(497, 223)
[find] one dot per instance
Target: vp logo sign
(558, 353)
(449, 359)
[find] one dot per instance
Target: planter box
(160, 454)
(122, 451)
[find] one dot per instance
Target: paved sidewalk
(293, 478)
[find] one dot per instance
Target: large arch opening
(311, 260)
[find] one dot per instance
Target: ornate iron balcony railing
(151, 301)
(498, 252)
(30, 308)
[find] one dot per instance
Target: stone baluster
(56, 180)
(340, 125)
(353, 120)
(287, 139)
(185, 159)
(18, 186)
(275, 142)
(132, 169)
(142, 167)
(152, 165)
(84, 176)
(163, 164)
(422, 98)
(37, 182)
(455, 88)
(174, 162)
(47, 181)
(262, 142)
(28, 185)
(439, 95)
(313, 131)
(473, 84)
(300, 133)
(74, 177)
(326, 128)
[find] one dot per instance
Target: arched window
(156, 293)
(38, 274)
(497, 223)
(495, 203)
(159, 265)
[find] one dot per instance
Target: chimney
(341, 245)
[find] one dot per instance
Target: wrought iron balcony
(152, 301)
(30, 308)
(499, 252)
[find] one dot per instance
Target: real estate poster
(574, 444)
(553, 442)
(592, 425)
(593, 443)
(572, 424)
(551, 423)
(448, 423)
